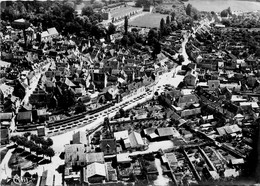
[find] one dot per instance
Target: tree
(49, 152)
(37, 140)
(42, 141)
(111, 29)
(188, 9)
(226, 22)
(30, 144)
(152, 35)
(33, 147)
(87, 10)
(122, 112)
(21, 141)
(33, 137)
(68, 12)
(168, 20)
(167, 30)
(126, 25)
(162, 26)
(27, 134)
(39, 151)
(125, 40)
(157, 48)
(173, 16)
(224, 13)
(49, 142)
(229, 11)
(195, 17)
(131, 38)
(14, 138)
(180, 59)
(140, 3)
(174, 25)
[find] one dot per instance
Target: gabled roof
(52, 31)
(44, 34)
(96, 169)
(135, 139)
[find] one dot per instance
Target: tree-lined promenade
(36, 144)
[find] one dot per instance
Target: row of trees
(36, 144)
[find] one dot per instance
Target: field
(219, 5)
(123, 11)
(148, 20)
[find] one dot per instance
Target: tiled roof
(96, 169)
(135, 139)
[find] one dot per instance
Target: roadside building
(79, 138)
(95, 173)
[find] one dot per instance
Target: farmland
(150, 20)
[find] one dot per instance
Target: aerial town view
(130, 92)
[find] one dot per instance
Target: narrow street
(34, 82)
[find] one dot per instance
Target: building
(108, 146)
(6, 116)
(51, 32)
(24, 117)
(47, 178)
(75, 155)
(191, 78)
(95, 173)
(79, 138)
(136, 141)
(186, 100)
(4, 136)
(97, 157)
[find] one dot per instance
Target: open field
(149, 20)
(219, 5)
(123, 11)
